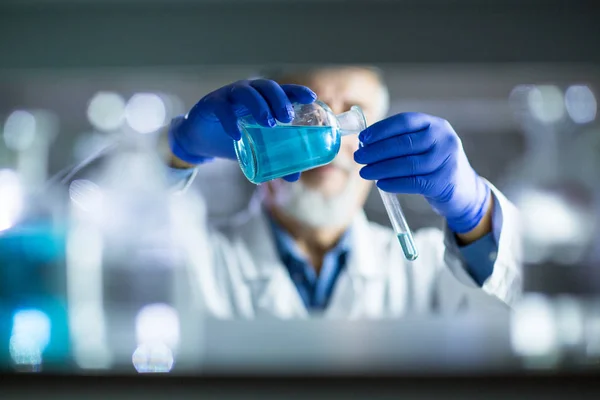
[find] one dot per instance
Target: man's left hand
(420, 153)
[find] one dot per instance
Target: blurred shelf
(109, 34)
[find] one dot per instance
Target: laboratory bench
(461, 357)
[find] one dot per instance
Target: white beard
(312, 208)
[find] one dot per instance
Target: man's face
(331, 195)
(342, 88)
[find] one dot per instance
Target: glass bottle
(310, 140)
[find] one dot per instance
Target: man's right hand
(208, 129)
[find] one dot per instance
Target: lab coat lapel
(272, 290)
(360, 290)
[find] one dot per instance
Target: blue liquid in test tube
(394, 211)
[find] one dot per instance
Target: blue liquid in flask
(407, 244)
(269, 153)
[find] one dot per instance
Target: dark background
(143, 33)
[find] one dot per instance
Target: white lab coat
(236, 272)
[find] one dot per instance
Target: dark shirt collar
(287, 248)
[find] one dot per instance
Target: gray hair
(280, 74)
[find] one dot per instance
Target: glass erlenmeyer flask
(310, 140)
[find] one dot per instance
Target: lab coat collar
(272, 291)
(360, 289)
(287, 248)
(363, 260)
(357, 291)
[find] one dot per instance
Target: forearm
(494, 260)
(483, 228)
(167, 155)
(179, 174)
(175, 162)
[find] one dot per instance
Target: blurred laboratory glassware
(12, 198)
(581, 104)
(557, 192)
(106, 111)
(28, 136)
(127, 263)
(145, 112)
(32, 245)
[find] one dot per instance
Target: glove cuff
(175, 146)
(470, 219)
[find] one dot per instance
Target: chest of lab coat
(236, 272)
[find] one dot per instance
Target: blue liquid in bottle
(269, 153)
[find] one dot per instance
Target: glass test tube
(396, 216)
(394, 211)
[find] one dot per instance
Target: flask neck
(351, 122)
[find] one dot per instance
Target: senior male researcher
(308, 250)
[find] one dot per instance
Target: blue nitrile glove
(208, 128)
(419, 153)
